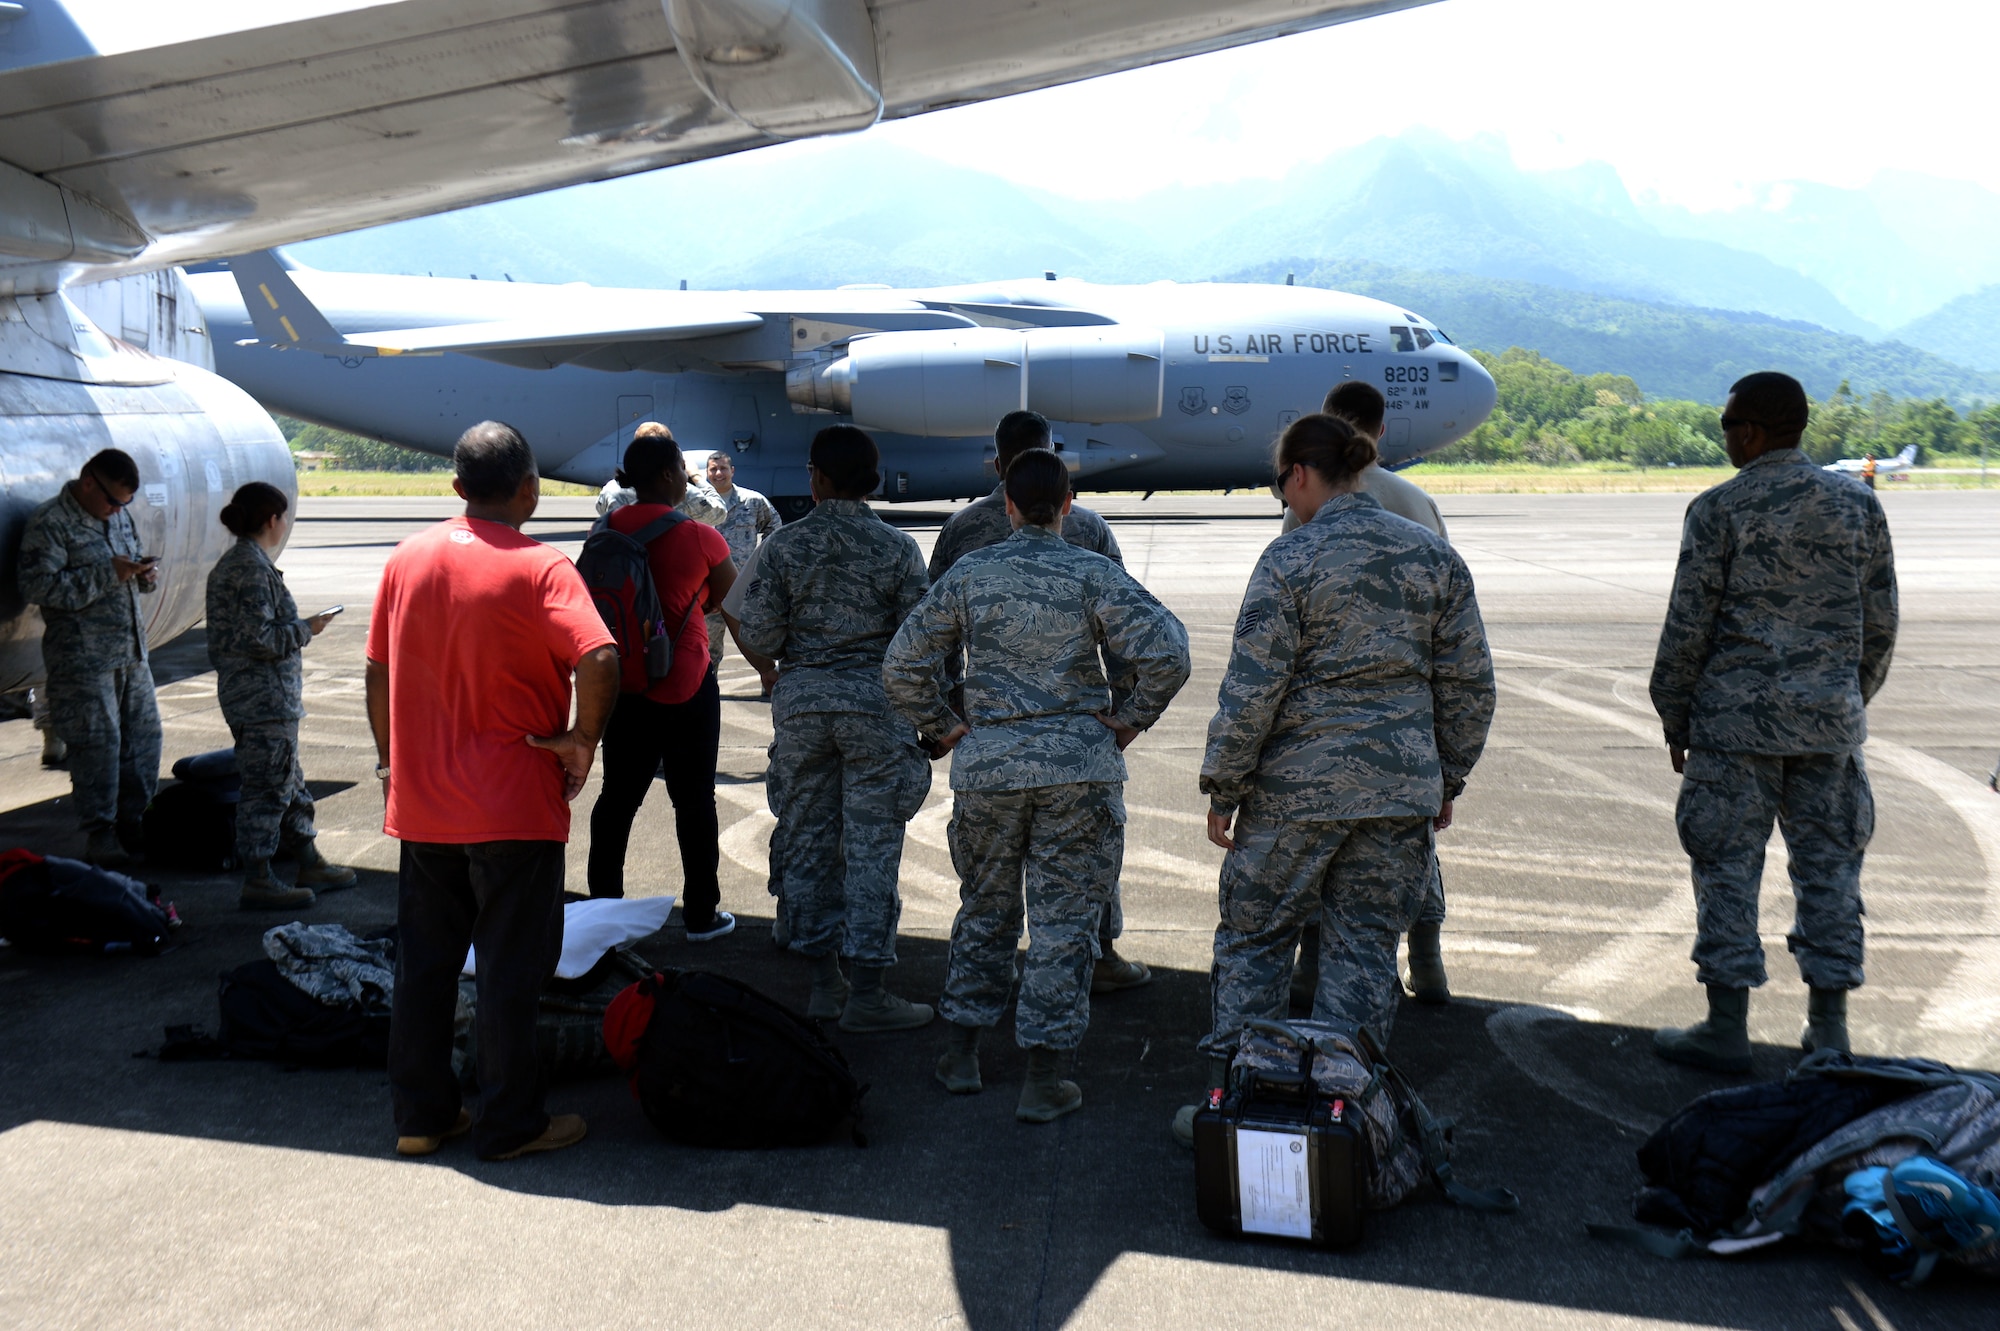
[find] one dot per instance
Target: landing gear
(792, 507)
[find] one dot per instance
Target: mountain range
(1513, 254)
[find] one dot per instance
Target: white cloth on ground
(592, 928)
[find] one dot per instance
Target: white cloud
(1694, 100)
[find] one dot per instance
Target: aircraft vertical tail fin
(1908, 456)
(279, 311)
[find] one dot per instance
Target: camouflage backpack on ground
(1406, 1143)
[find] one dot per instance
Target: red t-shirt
(681, 561)
(481, 628)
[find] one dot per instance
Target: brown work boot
(416, 1146)
(320, 873)
(563, 1130)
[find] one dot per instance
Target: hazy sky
(1691, 99)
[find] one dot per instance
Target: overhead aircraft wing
(137, 136)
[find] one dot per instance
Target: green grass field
(1587, 478)
(412, 483)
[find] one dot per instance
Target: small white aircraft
(1903, 461)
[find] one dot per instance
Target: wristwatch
(381, 771)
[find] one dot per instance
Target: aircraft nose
(1479, 392)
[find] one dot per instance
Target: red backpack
(620, 578)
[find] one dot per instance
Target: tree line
(1548, 415)
(351, 452)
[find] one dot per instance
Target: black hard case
(1261, 1101)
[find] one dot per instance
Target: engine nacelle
(960, 382)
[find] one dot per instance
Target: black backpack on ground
(265, 1015)
(615, 568)
(719, 1064)
(54, 905)
(192, 825)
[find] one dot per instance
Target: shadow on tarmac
(1035, 1215)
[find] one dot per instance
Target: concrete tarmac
(135, 1193)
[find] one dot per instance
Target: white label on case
(1274, 1183)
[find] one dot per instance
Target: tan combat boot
(958, 1067)
(1427, 981)
(1719, 1044)
(1826, 1021)
(316, 871)
(1045, 1096)
(872, 1008)
(830, 988)
(262, 891)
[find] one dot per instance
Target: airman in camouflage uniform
(1037, 781)
(255, 638)
(845, 773)
(985, 523)
(83, 571)
(1357, 699)
(747, 518)
(1779, 630)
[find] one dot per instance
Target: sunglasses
(105, 490)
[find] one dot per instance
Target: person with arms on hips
(985, 523)
(476, 635)
(1778, 632)
(1052, 634)
(674, 722)
(82, 565)
(700, 502)
(1356, 701)
(255, 642)
(1362, 405)
(748, 517)
(846, 775)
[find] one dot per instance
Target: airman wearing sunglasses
(82, 564)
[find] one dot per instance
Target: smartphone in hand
(330, 612)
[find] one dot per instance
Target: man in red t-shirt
(674, 728)
(476, 632)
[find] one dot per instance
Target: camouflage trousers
(717, 632)
(111, 723)
(1822, 803)
(843, 786)
(1363, 880)
(276, 810)
(1051, 853)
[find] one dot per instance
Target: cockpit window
(1404, 342)
(1444, 337)
(1424, 339)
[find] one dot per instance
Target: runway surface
(136, 1193)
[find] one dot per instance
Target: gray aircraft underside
(1163, 386)
(137, 137)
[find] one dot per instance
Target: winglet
(279, 311)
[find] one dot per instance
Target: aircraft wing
(136, 136)
(553, 333)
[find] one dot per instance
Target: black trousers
(642, 738)
(504, 898)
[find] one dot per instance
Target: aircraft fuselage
(1206, 376)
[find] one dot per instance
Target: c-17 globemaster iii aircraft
(1163, 386)
(134, 138)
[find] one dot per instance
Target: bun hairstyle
(1330, 445)
(848, 458)
(1037, 483)
(252, 507)
(651, 455)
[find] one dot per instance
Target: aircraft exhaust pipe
(822, 385)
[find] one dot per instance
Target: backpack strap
(1434, 1146)
(657, 528)
(1927, 1252)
